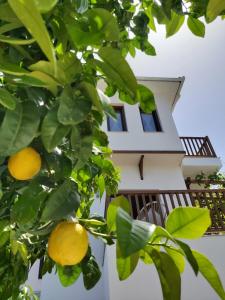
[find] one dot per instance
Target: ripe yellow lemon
(68, 243)
(25, 164)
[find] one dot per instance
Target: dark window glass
(150, 121)
(119, 124)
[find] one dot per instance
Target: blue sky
(201, 108)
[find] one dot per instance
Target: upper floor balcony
(200, 156)
(198, 146)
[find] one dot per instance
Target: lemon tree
(54, 156)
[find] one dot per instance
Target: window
(120, 123)
(150, 121)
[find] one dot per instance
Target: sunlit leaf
(27, 12)
(214, 8)
(177, 257)
(196, 26)
(146, 98)
(188, 222)
(169, 275)
(13, 41)
(117, 69)
(174, 25)
(7, 99)
(68, 274)
(45, 6)
(207, 270)
(125, 266)
(102, 26)
(117, 202)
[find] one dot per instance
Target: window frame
(156, 120)
(121, 109)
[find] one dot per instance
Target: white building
(154, 163)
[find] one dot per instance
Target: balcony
(200, 156)
(198, 146)
(155, 206)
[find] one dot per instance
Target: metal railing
(198, 146)
(155, 206)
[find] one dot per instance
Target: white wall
(144, 284)
(161, 171)
(192, 166)
(135, 138)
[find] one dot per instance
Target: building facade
(158, 169)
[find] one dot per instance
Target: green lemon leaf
(18, 128)
(174, 25)
(12, 41)
(52, 132)
(27, 12)
(145, 257)
(146, 99)
(91, 92)
(117, 70)
(70, 65)
(132, 235)
(68, 275)
(63, 201)
(43, 66)
(151, 23)
(64, 74)
(177, 257)
(208, 271)
(45, 6)
(196, 26)
(60, 164)
(27, 80)
(9, 26)
(7, 99)
(81, 144)
(50, 83)
(96, 25)
(4, 234)
(9, 68)
(22, 249)
(73, 108)
(188, 222)
(214, 9)
(7, 14)
(189, 255)
(117, 202)
(160, 233)
(91, 272)
(169, 275)
(101, 185)
(26, 208)
(125, 266)
(158, 13)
